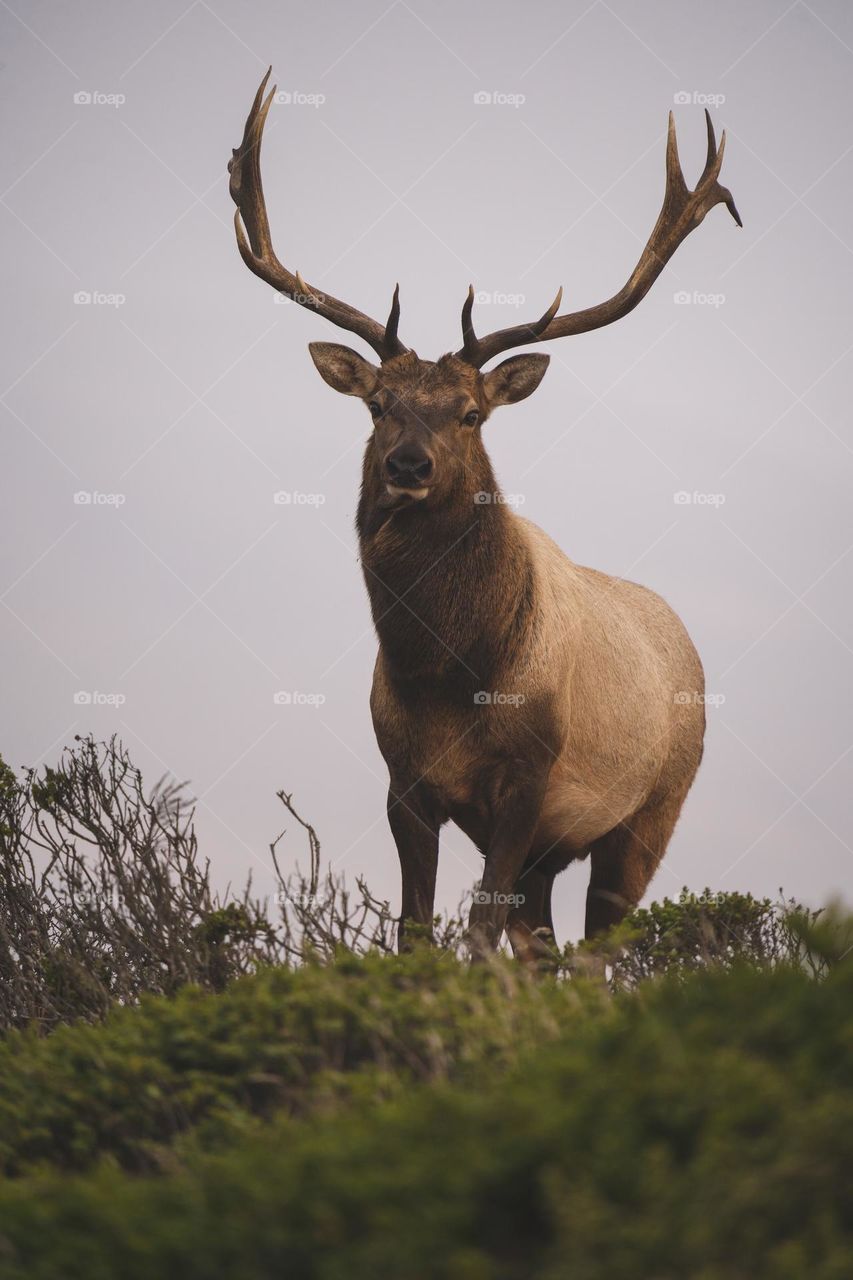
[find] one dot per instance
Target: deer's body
(498, 652)
(605, 663)
(549, 710)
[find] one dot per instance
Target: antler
(259, 256)
(681, 212)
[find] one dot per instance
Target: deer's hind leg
(624, 860)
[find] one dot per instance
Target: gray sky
(183, 388)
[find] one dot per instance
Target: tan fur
(623, 663)
(619, 667)
(551, 711)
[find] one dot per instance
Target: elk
(552, 712)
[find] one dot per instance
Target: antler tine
(254, 241)
(542, 324)
(681, 212)
(469, 337)
(392, 321)
(470, 343)
(714, 156)
(253, 213)
(714, 164)
(674, 175)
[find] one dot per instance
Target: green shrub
(104, 899)
(238, 1094)
(697, 930)
(104, 896)
(700, 1127)
(209, 1066)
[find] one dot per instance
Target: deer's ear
(343, 368)
(514, 379)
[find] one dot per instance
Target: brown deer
(550, 711)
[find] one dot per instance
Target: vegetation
(286, 1098)
(103, 896)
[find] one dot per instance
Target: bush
(103, 896)
(254, 1093)
(701, 1126)
(695, 931)
(209, 1066)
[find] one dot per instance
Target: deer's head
(427, 415)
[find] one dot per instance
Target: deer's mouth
(397, 491)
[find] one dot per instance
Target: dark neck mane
(450, 585)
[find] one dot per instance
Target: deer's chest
(442, 751)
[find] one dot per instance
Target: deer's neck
(450, 585)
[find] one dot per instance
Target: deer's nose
(409, 465)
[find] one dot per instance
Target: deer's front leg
(414, 825)
(515, 822)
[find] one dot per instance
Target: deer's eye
(471, 419)
(375, 408)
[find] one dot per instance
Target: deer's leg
(514, 826)
(529, 925)
(624, 861)
(414, 825)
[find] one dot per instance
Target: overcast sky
(181, 398)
